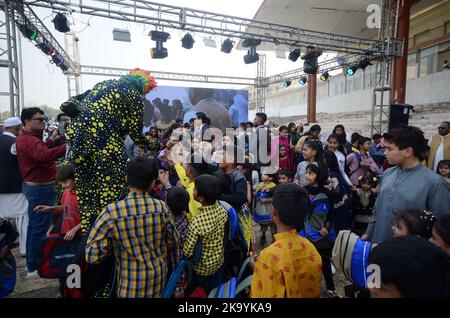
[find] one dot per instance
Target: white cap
(13, 121)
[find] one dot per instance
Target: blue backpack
(351, 257)
(236, 247)
(233, 287)
(8, 271)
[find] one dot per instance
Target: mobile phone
(61, 129)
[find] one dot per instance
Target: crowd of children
(184, 206)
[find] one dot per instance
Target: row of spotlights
(303, 80)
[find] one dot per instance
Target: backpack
(97, 280)
(174, 278)
(235, 244)
(350, 256)
(347, 168)
(8, 270)
(56, 254)
(368, 173)
(233, 287)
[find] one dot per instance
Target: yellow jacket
(189, 186)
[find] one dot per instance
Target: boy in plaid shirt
(141, 231)
(208, 227)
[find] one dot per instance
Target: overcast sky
(45, 84)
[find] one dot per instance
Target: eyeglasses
(41, 119)
(442, 127)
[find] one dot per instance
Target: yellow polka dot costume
(105, 115)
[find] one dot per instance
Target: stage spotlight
(29, 31)
(227, 46)
(294, 55)
(61, 22)
(352, 70)
(251, 42)
(310, 66)
(324, 76)
(46, 47)
(64, 66)
(187, 41)
(57, 59)
(280, 52)
(303, 80)
(364, 63)
(159, 52)
(209, 42)
(251, 56)
(287, 83)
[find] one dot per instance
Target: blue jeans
(39, 222)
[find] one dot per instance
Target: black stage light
(46, 47)
(364, 63)
(303, 80)
(251, 42)
(227, 46)
(61, 22)
(159, 52)
(352, 70)
(29, 31)
(251, 56)
(324, 76)
(294, 55)
(287, 83)
(187, 41)
(310, 66)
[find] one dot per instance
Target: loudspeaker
(399, 115)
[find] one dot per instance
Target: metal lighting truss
(168, 16)
(114, 71)
(9, 56)
(382, 91)
(24, 13)
(324, 66)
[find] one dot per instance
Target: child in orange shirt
(291, 267)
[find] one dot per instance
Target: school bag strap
(243, 268)
(244, 284)
(226, 290)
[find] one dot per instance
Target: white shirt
(341, 161)
(13, 146)
(439, 152)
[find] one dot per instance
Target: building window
(411, 71)
(428, 61)
(443, 54)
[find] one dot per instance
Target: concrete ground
(48, 288)
(31, 287)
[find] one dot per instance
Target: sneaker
(33, 274)
(332, 294)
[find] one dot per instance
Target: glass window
(443, 56)
(411, 71)
(428, 60)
